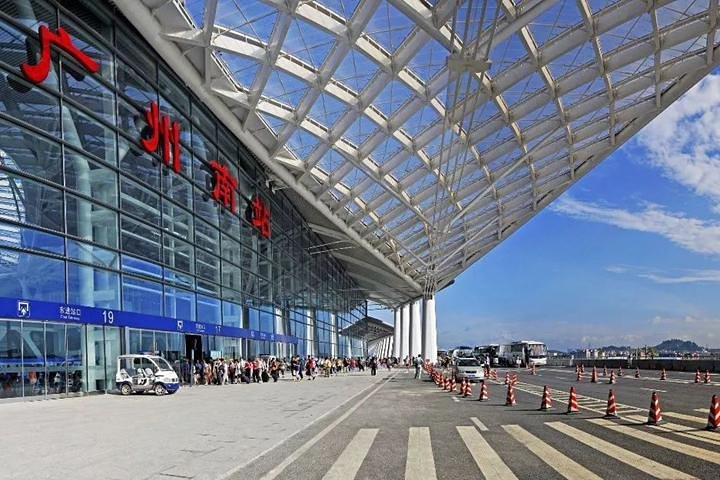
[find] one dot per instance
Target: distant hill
(676, 345)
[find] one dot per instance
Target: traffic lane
(683, 398)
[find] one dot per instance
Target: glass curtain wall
(100, 222)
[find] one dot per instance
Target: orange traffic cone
(452, 384)
(468, 389)
(582, 368)
(483, 392)
(507, 378)
(604, 371)
(714, 415)
(579, 376)
(493, 374)
(611, 410)
(620, 374)
(593, 379)
(510, 399)
(697, 376)
(663, 375)
(572, 402)
(612, 377)
(577, 369)
(707, 376)
(637, 372)
(446, 383)
(532, 370)
(546, 402)
(655, 413)
(463, 386)
(514, 379)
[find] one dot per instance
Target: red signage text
(38, 73)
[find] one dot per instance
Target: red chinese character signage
(162, 130)
(61, 39)
(260, 216)
(224, 185)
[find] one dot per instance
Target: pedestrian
(373, 366)
(418, 363)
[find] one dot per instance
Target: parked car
(469, 368)
(145, 373)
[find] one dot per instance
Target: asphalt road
(409, 429)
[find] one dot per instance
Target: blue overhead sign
(62, 312)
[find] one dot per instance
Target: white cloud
(668, 277)
(690, 233)
(683, 140)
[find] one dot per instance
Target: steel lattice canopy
(418, 134)
(368, 329)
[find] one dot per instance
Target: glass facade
(88, 217)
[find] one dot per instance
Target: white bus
(528, 352)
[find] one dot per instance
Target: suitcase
(265, 377)
(244, 378)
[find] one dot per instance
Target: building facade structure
(132, 220)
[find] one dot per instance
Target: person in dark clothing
(373, 366)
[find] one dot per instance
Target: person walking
(373, 366)
(418, 363)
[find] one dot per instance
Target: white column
(397, 334)
(429, 330)
(333, 335)
(415, 329)
(280, 329)
(405, 337)
(310, 333)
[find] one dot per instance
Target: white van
(145, 373)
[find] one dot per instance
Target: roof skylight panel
(355, 71)
(420, 120)
(275, 124)
(196, 9)
(308, 43)
(570, 60)
(360, 130)
(696, 45)
(429, 60)
(242, 69)
(635, 28)
(679, 10)
(523, 89)
(597, 5)
(285, 88)
(249, 17)
(327, 110)
(385, 150)
(345, 8)
(555, 20)
(331, 161)
(392, 97)
(389, 27)
(506, 53)
(410, 165)
(301, 143)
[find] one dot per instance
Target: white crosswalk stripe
(420, 464)
(349, 461)
(639, 434)
(683, 431)
(650, 467)
(480, 425)
(490, 464)
(565, 466)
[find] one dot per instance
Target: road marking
(420, 464)
(685, 449)
(480, 425)
(455, 399)
(272, 474)
(560, 463)
(561, 378)
(651, 467)
(687, 432)
(701, 410)
(349, 461)
(490, 464)
(653, 390)
(689, 418)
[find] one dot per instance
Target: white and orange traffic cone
(663, 375)
(507, 378)
(612, 377)
(707, 376)
(582, 368)
(579, 376)
(546, 402)
(514, 379)
(468, 389)
(604, 371)
(532, 370)
(620, 374)
(714, 415)
(463, 387)
(611, 410)
(483, 392)
(697, 376)
(593, 378)
(637, 372)
(445, 383)
(655, 413)
(493, 374)
(510, 399)
(452, 384)
(572, 402)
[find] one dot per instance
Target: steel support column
(415, 329)
(397, 333)
(405, 334)
(429, 330)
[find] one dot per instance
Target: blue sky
(629, 255)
